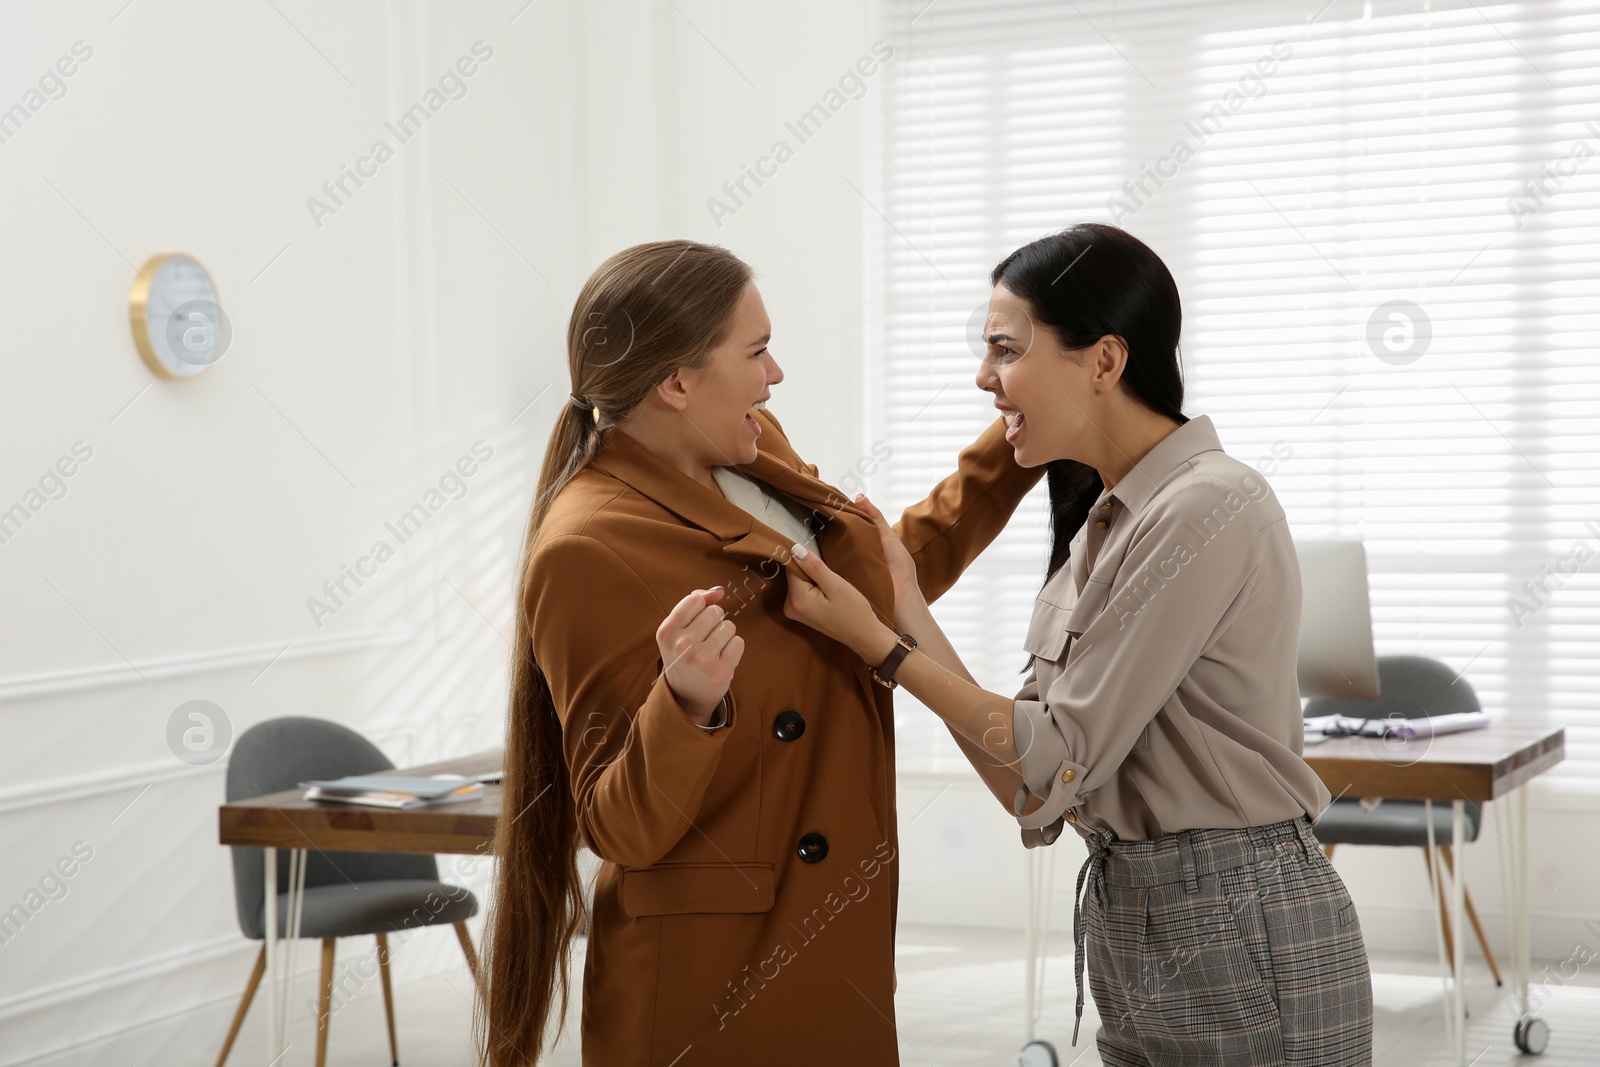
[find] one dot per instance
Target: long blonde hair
(646, 312)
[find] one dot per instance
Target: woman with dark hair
(735, 779)
(1160, 717)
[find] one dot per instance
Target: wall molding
(78, 679)
(98, 783)
(134, 775)
(173, 961)
(113, 978)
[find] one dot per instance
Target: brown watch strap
(883, 673)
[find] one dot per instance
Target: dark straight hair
(1087, 282)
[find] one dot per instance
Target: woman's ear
(1110, 355)
(674, 390)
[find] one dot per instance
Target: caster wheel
(1038, 1054)
(1531, 1035)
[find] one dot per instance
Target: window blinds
(1384, 220)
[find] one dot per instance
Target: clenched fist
(699, 651)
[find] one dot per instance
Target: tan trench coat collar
(636, 466)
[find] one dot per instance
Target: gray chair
(347, 893)
(1410, 687)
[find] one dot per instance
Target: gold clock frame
(139, 313)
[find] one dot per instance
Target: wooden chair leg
(1472, 916)
(1327, 850)
(465, 937)
(1436, 888)
(388, 996)
(244, 1003)
(325, 1000)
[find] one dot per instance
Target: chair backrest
(280, 754)
(1411, 687)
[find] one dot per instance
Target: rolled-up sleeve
(1187, 571)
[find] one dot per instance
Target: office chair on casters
(1411, 687)
(347, 893)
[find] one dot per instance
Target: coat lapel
(637, 467)
(848, 538)
(846, 534)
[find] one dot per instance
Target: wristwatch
(883, 673)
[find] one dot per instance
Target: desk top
(1474, 765)
(288, 820)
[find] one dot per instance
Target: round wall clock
(178, 325)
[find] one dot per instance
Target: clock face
(178, 325)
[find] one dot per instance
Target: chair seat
(376, 907)
(1393, 822)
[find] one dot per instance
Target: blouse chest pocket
(1054, 625)
(1088, 606)
(1047, 631)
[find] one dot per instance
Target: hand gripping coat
(745, 909)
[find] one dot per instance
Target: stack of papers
(394, 791)
(1397, 728)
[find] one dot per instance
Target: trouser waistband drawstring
(1093, 872)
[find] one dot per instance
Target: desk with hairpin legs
(1495, 765)
(288, 821)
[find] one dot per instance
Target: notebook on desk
(394, 791)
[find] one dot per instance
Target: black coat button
(788, 726)
(813, 847)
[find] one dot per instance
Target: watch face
(184, 329)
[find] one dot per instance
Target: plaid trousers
(1224, 946)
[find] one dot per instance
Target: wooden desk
(1478, 766)
(287, 820)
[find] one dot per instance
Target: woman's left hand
(831, 605)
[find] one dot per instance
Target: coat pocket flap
(687, 888)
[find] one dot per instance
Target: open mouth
(1015, 421)
(750, 416)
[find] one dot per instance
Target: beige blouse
(1163, 695)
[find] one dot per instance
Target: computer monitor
(1336, 658)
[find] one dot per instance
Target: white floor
(960, 1003)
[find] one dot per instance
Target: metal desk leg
(270, 902)
(1459, 927)
(1435, 873)
(1530, 1034)
(286, 949)
(1041, 866)
(1521, 951)
(280, 972)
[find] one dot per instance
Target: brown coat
(713, 941)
